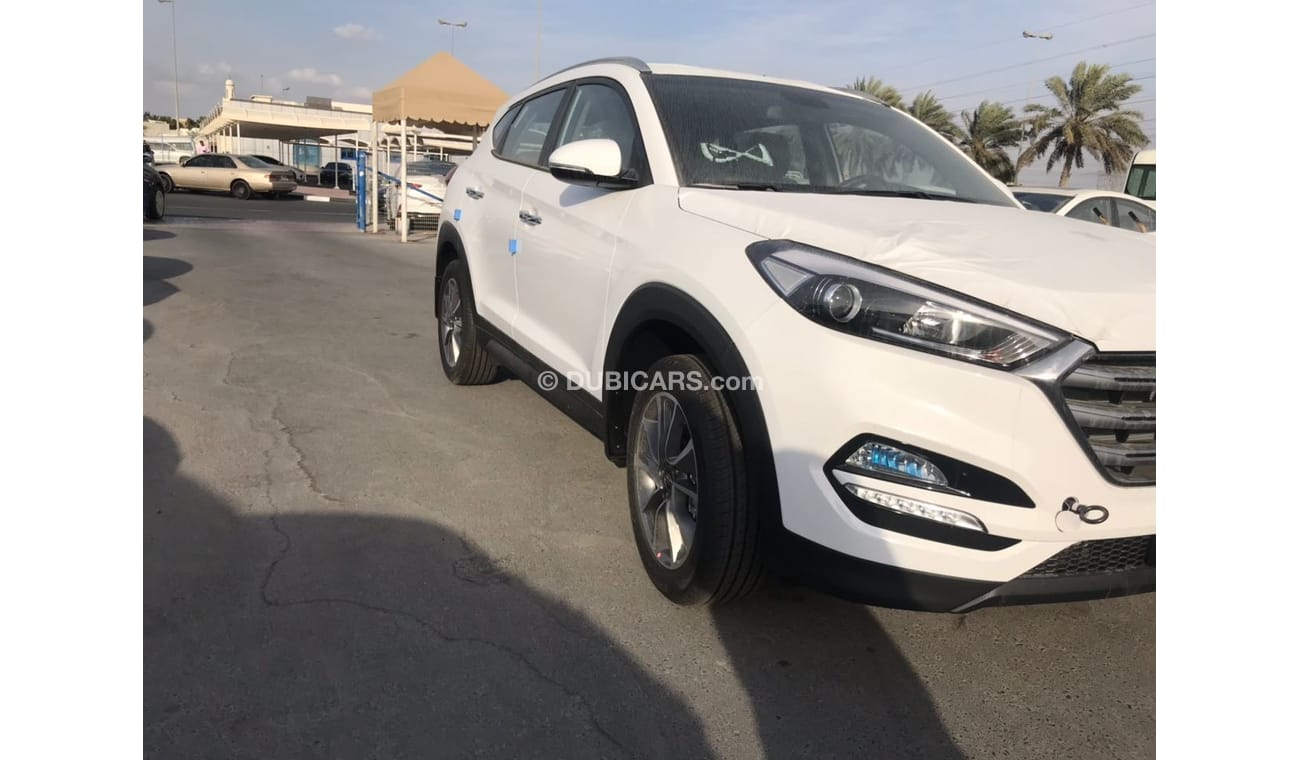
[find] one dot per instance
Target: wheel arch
(658, 320)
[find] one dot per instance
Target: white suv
(821, 340)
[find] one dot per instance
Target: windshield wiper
(740, 186)
(922, 194)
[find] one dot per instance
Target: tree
(1089, 117)
(985, 135)
(878, 90)
(927, 108)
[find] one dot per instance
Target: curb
(321, 198)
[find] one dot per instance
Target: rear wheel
(241, 190)
(695, 529)
(157, 205)
(464, 359)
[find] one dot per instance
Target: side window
(1093, 210)
(1132, 216)
(502, 128)
(598, 111)
(527, 135)
(200, 161)
(225, 162)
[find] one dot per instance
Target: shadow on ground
(153, 233)
(339, 635)
(157, 272)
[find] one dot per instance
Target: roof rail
(635, 63)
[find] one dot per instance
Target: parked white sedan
(1100, 206)
(427, 185)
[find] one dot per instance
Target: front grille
(1110, 555)
(1112, 398)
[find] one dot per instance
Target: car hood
(1093, 281)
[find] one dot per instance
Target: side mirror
(598, 163)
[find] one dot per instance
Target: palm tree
(986, 134)
(878, 90)
(1089, 118)
(927, 108)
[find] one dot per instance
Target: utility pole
(537, 66)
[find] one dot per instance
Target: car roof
(677, 69)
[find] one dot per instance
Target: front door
(567, 238)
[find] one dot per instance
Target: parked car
(299, 175)
(1100, 206)
(427, 185)
(819, 337)
(343, 170)
(241, 176)
(155, 194)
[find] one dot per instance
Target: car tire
(460, 347)
(683, 439)
(157, 205)
(240, 189)
(168, 185)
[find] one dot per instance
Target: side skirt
(581, 406)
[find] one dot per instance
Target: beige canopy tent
(443, 93)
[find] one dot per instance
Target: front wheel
(695, 529)
(168, 185)
(240, 189)
(157, 205)
(460, 346)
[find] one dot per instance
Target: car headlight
(871, 302)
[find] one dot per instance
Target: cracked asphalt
(347, 557)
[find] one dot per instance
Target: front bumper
(889, 586)
(842, 387)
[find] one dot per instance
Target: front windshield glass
(748, 135)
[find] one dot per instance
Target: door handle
(474, 193)
(528, 218)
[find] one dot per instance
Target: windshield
(1142, 182)
(1048, 202)
(748, 135)
(253, 162)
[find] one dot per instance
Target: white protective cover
(1093, 281)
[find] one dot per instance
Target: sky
(964, 50)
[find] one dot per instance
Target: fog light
(924, 510)
(880, 457)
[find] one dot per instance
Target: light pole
(1029, 87)
(454, 26)
(176, 68)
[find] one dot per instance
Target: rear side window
(1133, 216)
(527, 135)
(224, 162)
(1093, 210)
(503, 128)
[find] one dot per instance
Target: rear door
(222, 172)
(490, 203)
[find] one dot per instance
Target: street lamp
(176, 68)
(454, 25)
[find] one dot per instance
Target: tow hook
(1074, 512)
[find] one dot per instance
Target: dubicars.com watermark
(673, 380)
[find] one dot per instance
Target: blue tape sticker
(455, 215)
(514, 246)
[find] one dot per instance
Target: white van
(1142, 176)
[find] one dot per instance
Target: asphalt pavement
(346, 556)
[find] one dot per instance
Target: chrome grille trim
(1111, 400)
